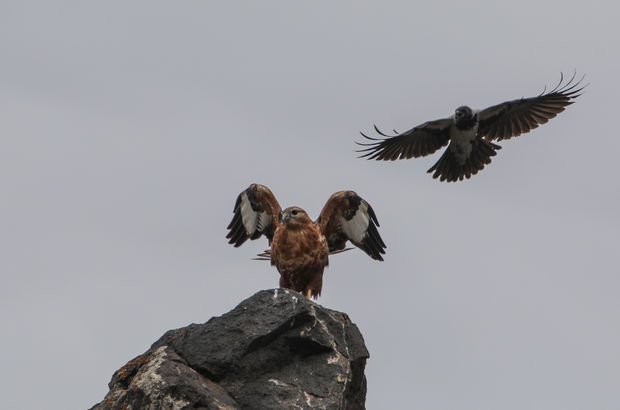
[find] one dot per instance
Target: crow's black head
(464, 118)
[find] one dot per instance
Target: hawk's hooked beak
(285, 217)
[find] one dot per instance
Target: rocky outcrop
(276, 350)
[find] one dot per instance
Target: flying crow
(470, 132)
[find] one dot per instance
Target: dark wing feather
(417, 142)
(513, 118)
(256, 213)
(348, 217)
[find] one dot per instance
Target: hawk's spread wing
(348, 217)
(512, 118)
(256, 213)
(417, 142)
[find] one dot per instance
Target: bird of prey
(470, 132)
(299, 247)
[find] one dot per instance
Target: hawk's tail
(449, 169)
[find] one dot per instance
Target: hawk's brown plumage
(299, 247)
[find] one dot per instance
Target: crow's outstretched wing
(417, 142)
(512, 118)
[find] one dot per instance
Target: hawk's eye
(295, 212)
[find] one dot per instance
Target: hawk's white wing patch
(254, 215)
(356, 228)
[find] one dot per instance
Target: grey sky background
(129, 128)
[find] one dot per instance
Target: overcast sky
(129, 128)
